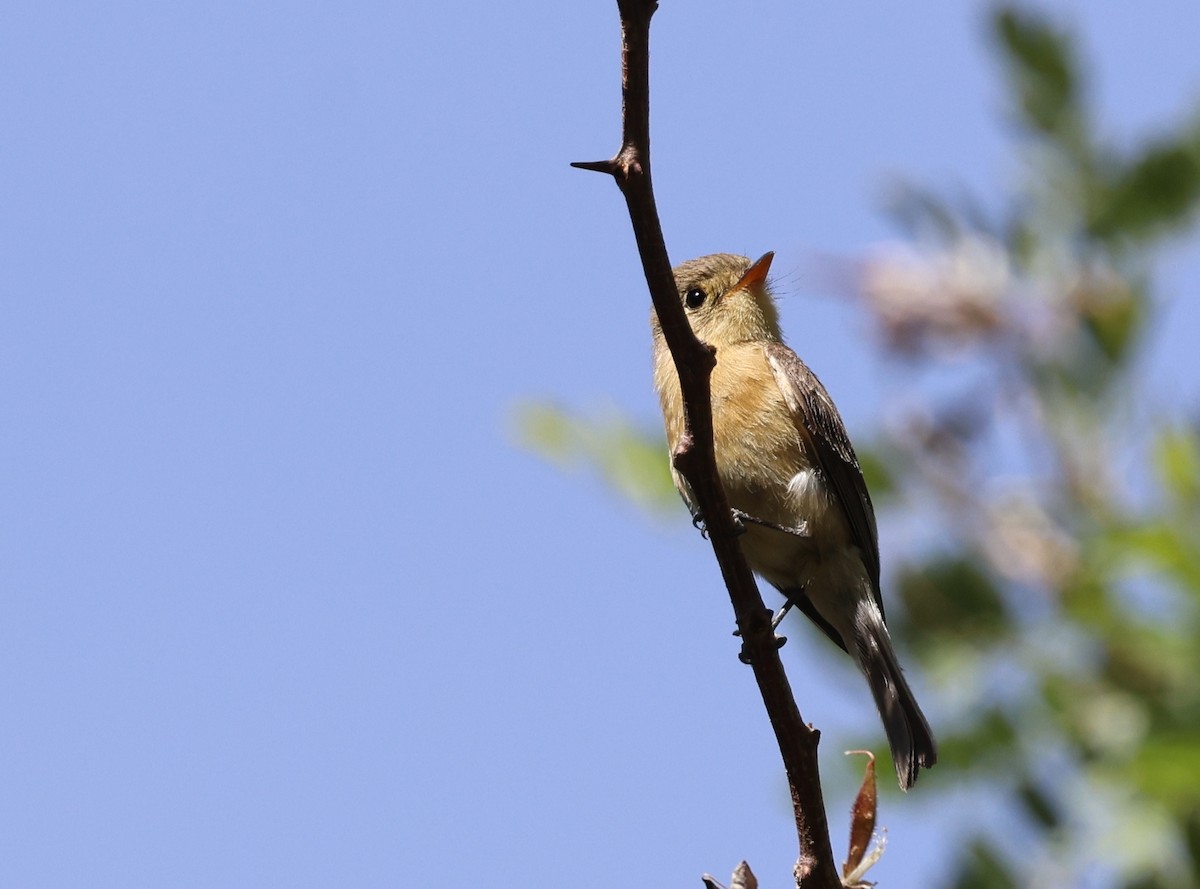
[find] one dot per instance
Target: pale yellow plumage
(783, 457)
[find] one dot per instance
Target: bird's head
(726, 299)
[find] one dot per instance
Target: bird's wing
(823, 432)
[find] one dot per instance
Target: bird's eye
(694, 298)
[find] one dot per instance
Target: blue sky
(283, 604)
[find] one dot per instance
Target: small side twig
(694, 458)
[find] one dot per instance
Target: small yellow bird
(785, 460)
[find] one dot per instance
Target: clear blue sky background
(282, 604)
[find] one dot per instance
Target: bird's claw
(739, 523)
(744, 653)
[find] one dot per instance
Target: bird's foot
(744, 654)
(738, 527)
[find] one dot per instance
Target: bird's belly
(800, 502)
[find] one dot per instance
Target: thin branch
(694, 457)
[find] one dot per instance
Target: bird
(789, 470)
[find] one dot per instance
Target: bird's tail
(913, 747)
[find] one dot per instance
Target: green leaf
(953, 596)
(982, 867)
(548, 431)
(1177, 462)
(1166, 545)
(1150, 881)
(1038, 804)
(1043, 69)
(1113, 314)
(1150, 662)
(1087, 597)
(632, 461)
(1166, 768)
(1154, 193)
(987, 743)
(877, 474)
(1192, 839)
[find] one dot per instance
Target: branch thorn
(608, 166)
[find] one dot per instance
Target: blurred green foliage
(630, 460)
(1060, 608)
(1080, 585)
(982, 867)
(1043, 70)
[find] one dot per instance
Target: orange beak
(756, 274)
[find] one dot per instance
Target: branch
(695, 460)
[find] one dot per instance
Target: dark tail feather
(913, 747)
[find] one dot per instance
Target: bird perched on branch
(791, 475)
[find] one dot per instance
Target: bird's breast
(759, 451)
(767, 470)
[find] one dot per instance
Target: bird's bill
(756, 274)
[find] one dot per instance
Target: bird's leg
(782, 613)
(800, 531)
(740, 518)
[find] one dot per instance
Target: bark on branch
(694, 457)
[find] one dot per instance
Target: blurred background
(337, 545)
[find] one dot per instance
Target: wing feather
(821, 428)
